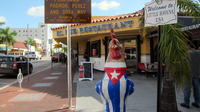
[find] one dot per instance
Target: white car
(33, 55)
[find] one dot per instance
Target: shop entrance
(130, 50)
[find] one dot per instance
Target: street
(38, 65)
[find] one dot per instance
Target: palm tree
(173, 47)
(1, 23)
(64, 49)
(30, 42)
(7, 37)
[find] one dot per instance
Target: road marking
(53, 77)
(26, 77)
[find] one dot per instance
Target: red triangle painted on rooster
(115, 74)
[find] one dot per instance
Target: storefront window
(95, 50)
(130, 53)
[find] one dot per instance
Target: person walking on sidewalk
(195, 70)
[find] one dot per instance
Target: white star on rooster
(115, 74)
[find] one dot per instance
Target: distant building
(2, 48)
(39, 33)
(18, 48)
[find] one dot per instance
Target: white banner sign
(160, 12)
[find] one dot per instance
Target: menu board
(87, 71)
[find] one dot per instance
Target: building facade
(91, 40)
(40, 33)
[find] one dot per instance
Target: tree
(1, 23)
(7, 37)
(64, 49)
(173, 47)
(30, 42)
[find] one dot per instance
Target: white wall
(145, 58)
(34, 33)
(99, 62)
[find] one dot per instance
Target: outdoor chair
(147, 69)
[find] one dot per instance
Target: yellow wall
(130, 44)
(145, 46)
(82, 47)
(99, 35)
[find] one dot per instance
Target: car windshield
(6, 59)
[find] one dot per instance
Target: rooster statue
(115, 87)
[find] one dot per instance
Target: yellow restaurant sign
(98, 28)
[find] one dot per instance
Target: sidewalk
(142, 100)
(45, 91)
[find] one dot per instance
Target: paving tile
(56, 73)
(42, 85)
(28, 97)
(52, 77)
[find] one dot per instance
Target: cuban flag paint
(114, 88)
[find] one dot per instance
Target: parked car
(55, 57)
(58, 57)
(10, 64)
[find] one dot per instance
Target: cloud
(105, 5)
(2, 19)
(37, 11)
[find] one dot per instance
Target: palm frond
(173, 47)
(1, 23)
(189, 7)
(31, 42)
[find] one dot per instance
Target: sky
(19, 13)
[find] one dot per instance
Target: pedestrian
(195, 70)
